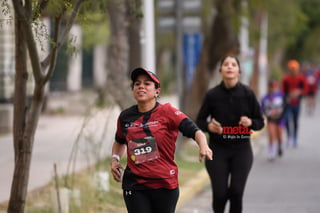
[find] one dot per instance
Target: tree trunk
(20, 179)
(221, 40)
(20, 87)
(26, 117)
(255, 72)
(135, 16)
(118, 83)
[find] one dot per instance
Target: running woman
(148, 132)
(228, 113)
(272, 104)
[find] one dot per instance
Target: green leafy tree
(123, 20)
(285, 26)
(122, 16)
(220, 39)
(305, 46)
(26, 115)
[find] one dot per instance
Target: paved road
(287, 185)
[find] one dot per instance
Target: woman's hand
(295, 93)
(215, 126)
(205, 152)
(245, 121)
(116, 170)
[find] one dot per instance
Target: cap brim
(139, 71)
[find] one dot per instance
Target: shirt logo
(178, 112)
(141, 125)
(128, 192)
(172, 172)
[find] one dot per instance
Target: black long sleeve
(227, 106)
(188, 128)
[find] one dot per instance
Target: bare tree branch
(32, 48)
(54, 52)
(62, 38)
(27, 29)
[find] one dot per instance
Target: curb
(193, 187)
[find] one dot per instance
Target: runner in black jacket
(229, 112)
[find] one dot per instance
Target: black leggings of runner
(151, 201)
(228, 173)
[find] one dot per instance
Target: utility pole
(148, 36)
(263, 59)
(246, 52)
(179, 67)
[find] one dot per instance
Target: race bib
(143, 149)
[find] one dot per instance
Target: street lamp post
(148, 46)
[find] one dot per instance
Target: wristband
(117, 157)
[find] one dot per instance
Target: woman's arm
(116, 169)
(256, 121)
(189, 129)
(204, 150)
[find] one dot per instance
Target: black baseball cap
(141, 71)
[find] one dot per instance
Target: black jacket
(227, 105)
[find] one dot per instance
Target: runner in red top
(294, 87)
(312, 81)
(148, 132)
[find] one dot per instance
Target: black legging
(151, 201)
(228, 172)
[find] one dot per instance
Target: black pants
(292, 117)
(228, 173)
(151, 201)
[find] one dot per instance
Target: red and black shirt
(292, 82)
(151, 143)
